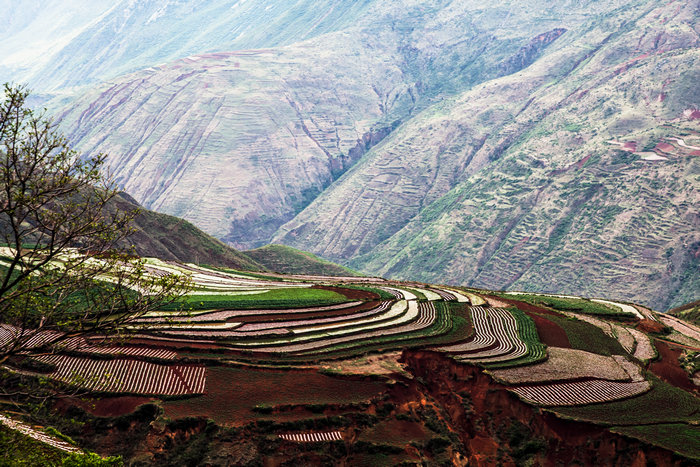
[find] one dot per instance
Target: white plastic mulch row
(277, 328)
(505, 329)
(224, 315)
(482, 333)
(399, 294)
(622, 306)
(38, 435)
(362, 337)
(580, 393)
(400, 312)
(447, 296)
(9, 333)
(128, 376)
(429, 294)
(383, 306)
(461, 298)
(317, 437)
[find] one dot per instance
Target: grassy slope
(171, 238)
(288, 260)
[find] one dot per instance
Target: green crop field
(576, 305)
(293, 297)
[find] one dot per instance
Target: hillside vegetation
(288, 260)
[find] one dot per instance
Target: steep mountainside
(579, 173)
(195, 138)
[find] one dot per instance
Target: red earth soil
(668, 368)
(233, 392)
(648, 325)
(665, 147)
(105, 406)
(352, 294)
(550, 333)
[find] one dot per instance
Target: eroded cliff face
(437, 411)
(497, 428)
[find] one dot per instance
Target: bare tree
(61, 276)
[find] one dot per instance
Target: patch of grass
(678, 437)
(20, 450)
(662, 404)
(273, 299)
(576, 305)
(585, 336)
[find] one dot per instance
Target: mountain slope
(194, 138)
(91, 43)
(514, 183)
(173, 239)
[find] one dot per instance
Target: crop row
(527, 331)
(482, 336)
(504, 329)
(412, 333)
(404, 316)
(223, 315)
(127, 376)
(580, 392)
(313, 437)
(37, 435)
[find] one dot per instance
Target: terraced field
(277, 324)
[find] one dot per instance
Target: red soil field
(648, 325)
(665, 147)
(106, 406)
(550, 333)
(668, 368)
(233, 392)
(352, 294)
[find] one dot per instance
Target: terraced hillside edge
(291, 369)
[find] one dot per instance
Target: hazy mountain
(240, 142)
(444, 141)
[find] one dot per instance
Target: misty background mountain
(522, 145)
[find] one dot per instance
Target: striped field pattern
(316, 437)
(128, 376)
(580, 392)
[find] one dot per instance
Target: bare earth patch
(384, 364)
